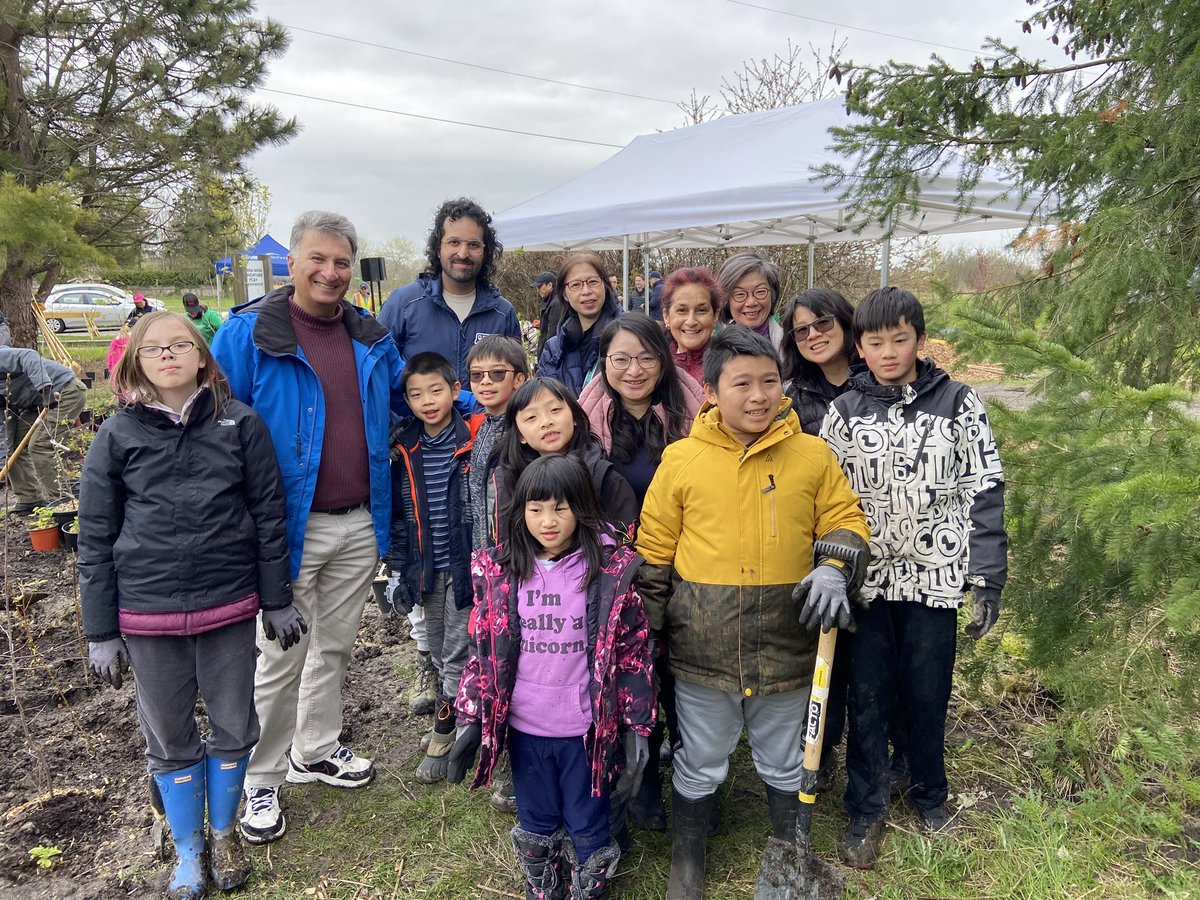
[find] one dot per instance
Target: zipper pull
(771, 487)
(297, 444)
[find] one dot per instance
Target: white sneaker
(262, 820)
(341, 769)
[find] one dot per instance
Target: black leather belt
(341, 510)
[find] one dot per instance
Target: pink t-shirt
(551, 696)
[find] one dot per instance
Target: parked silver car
(112, 306)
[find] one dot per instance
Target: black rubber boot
(784, 807)
(689, 845)
(541, 863)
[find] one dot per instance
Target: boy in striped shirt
(430, 551)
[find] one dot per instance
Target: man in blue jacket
(453, 305)
(325, 376)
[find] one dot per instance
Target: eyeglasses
(578, 283)
(823, 325)
(454, 245)
(621, 361)
(496, 375)
(762, 292)
(179, 348)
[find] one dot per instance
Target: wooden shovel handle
(12, 457)
(818, 701)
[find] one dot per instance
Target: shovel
(789, 870)
(158, 828)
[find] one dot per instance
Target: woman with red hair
(691, 303)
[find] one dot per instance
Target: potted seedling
(70, 534)
(43, 530)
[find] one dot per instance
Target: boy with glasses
(496, 366)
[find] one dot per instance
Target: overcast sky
(389, 172)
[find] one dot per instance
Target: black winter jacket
(811, 398)
(410, 555)
(180, 518)
(614, 495)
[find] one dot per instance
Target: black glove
(462, 754)
(108, 660)
(987, 611)
(285, 625)
(823, 595)
(637, 752)
(49, 398)
(395, 600)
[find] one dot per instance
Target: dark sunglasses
(496, 375)
(823, 325)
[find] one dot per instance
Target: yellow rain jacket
(727, 531)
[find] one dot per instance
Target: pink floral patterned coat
(621, 683)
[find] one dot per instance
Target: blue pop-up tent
(266, 245)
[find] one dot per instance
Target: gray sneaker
(422, 696)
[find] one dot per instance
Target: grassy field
(1028, 828)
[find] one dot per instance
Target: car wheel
(58, 326)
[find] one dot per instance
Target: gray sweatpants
(446, 630)
(710, 724)
(169, 672)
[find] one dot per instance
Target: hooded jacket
(421, 321)
(619, 664)
(597, 402)
(571, 355)
(157, 497)
(267, 370)
(411, 552)
(922, 458)
(727, 531)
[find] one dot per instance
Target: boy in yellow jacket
(728, 530)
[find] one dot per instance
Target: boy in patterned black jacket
(917, 448)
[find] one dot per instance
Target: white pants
(298, 691)
(710, 724)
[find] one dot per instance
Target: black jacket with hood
(180, 518)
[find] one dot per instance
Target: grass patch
(1026, 830)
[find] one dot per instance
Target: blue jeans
(902, 653)
(553, 781)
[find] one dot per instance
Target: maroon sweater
(344, 476)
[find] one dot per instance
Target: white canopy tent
(738, 181)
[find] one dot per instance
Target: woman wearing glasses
(571, 355)
(817, 352)
(751, 282)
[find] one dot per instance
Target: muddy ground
(72, 774)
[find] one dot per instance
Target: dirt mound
(972, 373)
(73, 777)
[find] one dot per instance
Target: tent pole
(625, 270)
(812, 257)
(646, 276)
(886, 256)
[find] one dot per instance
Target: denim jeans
(902, 653)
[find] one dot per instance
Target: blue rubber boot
(183, 799)
(227, 863)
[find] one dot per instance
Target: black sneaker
(262, 820)
(860, 843)
(936, 820)
(341, 769)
